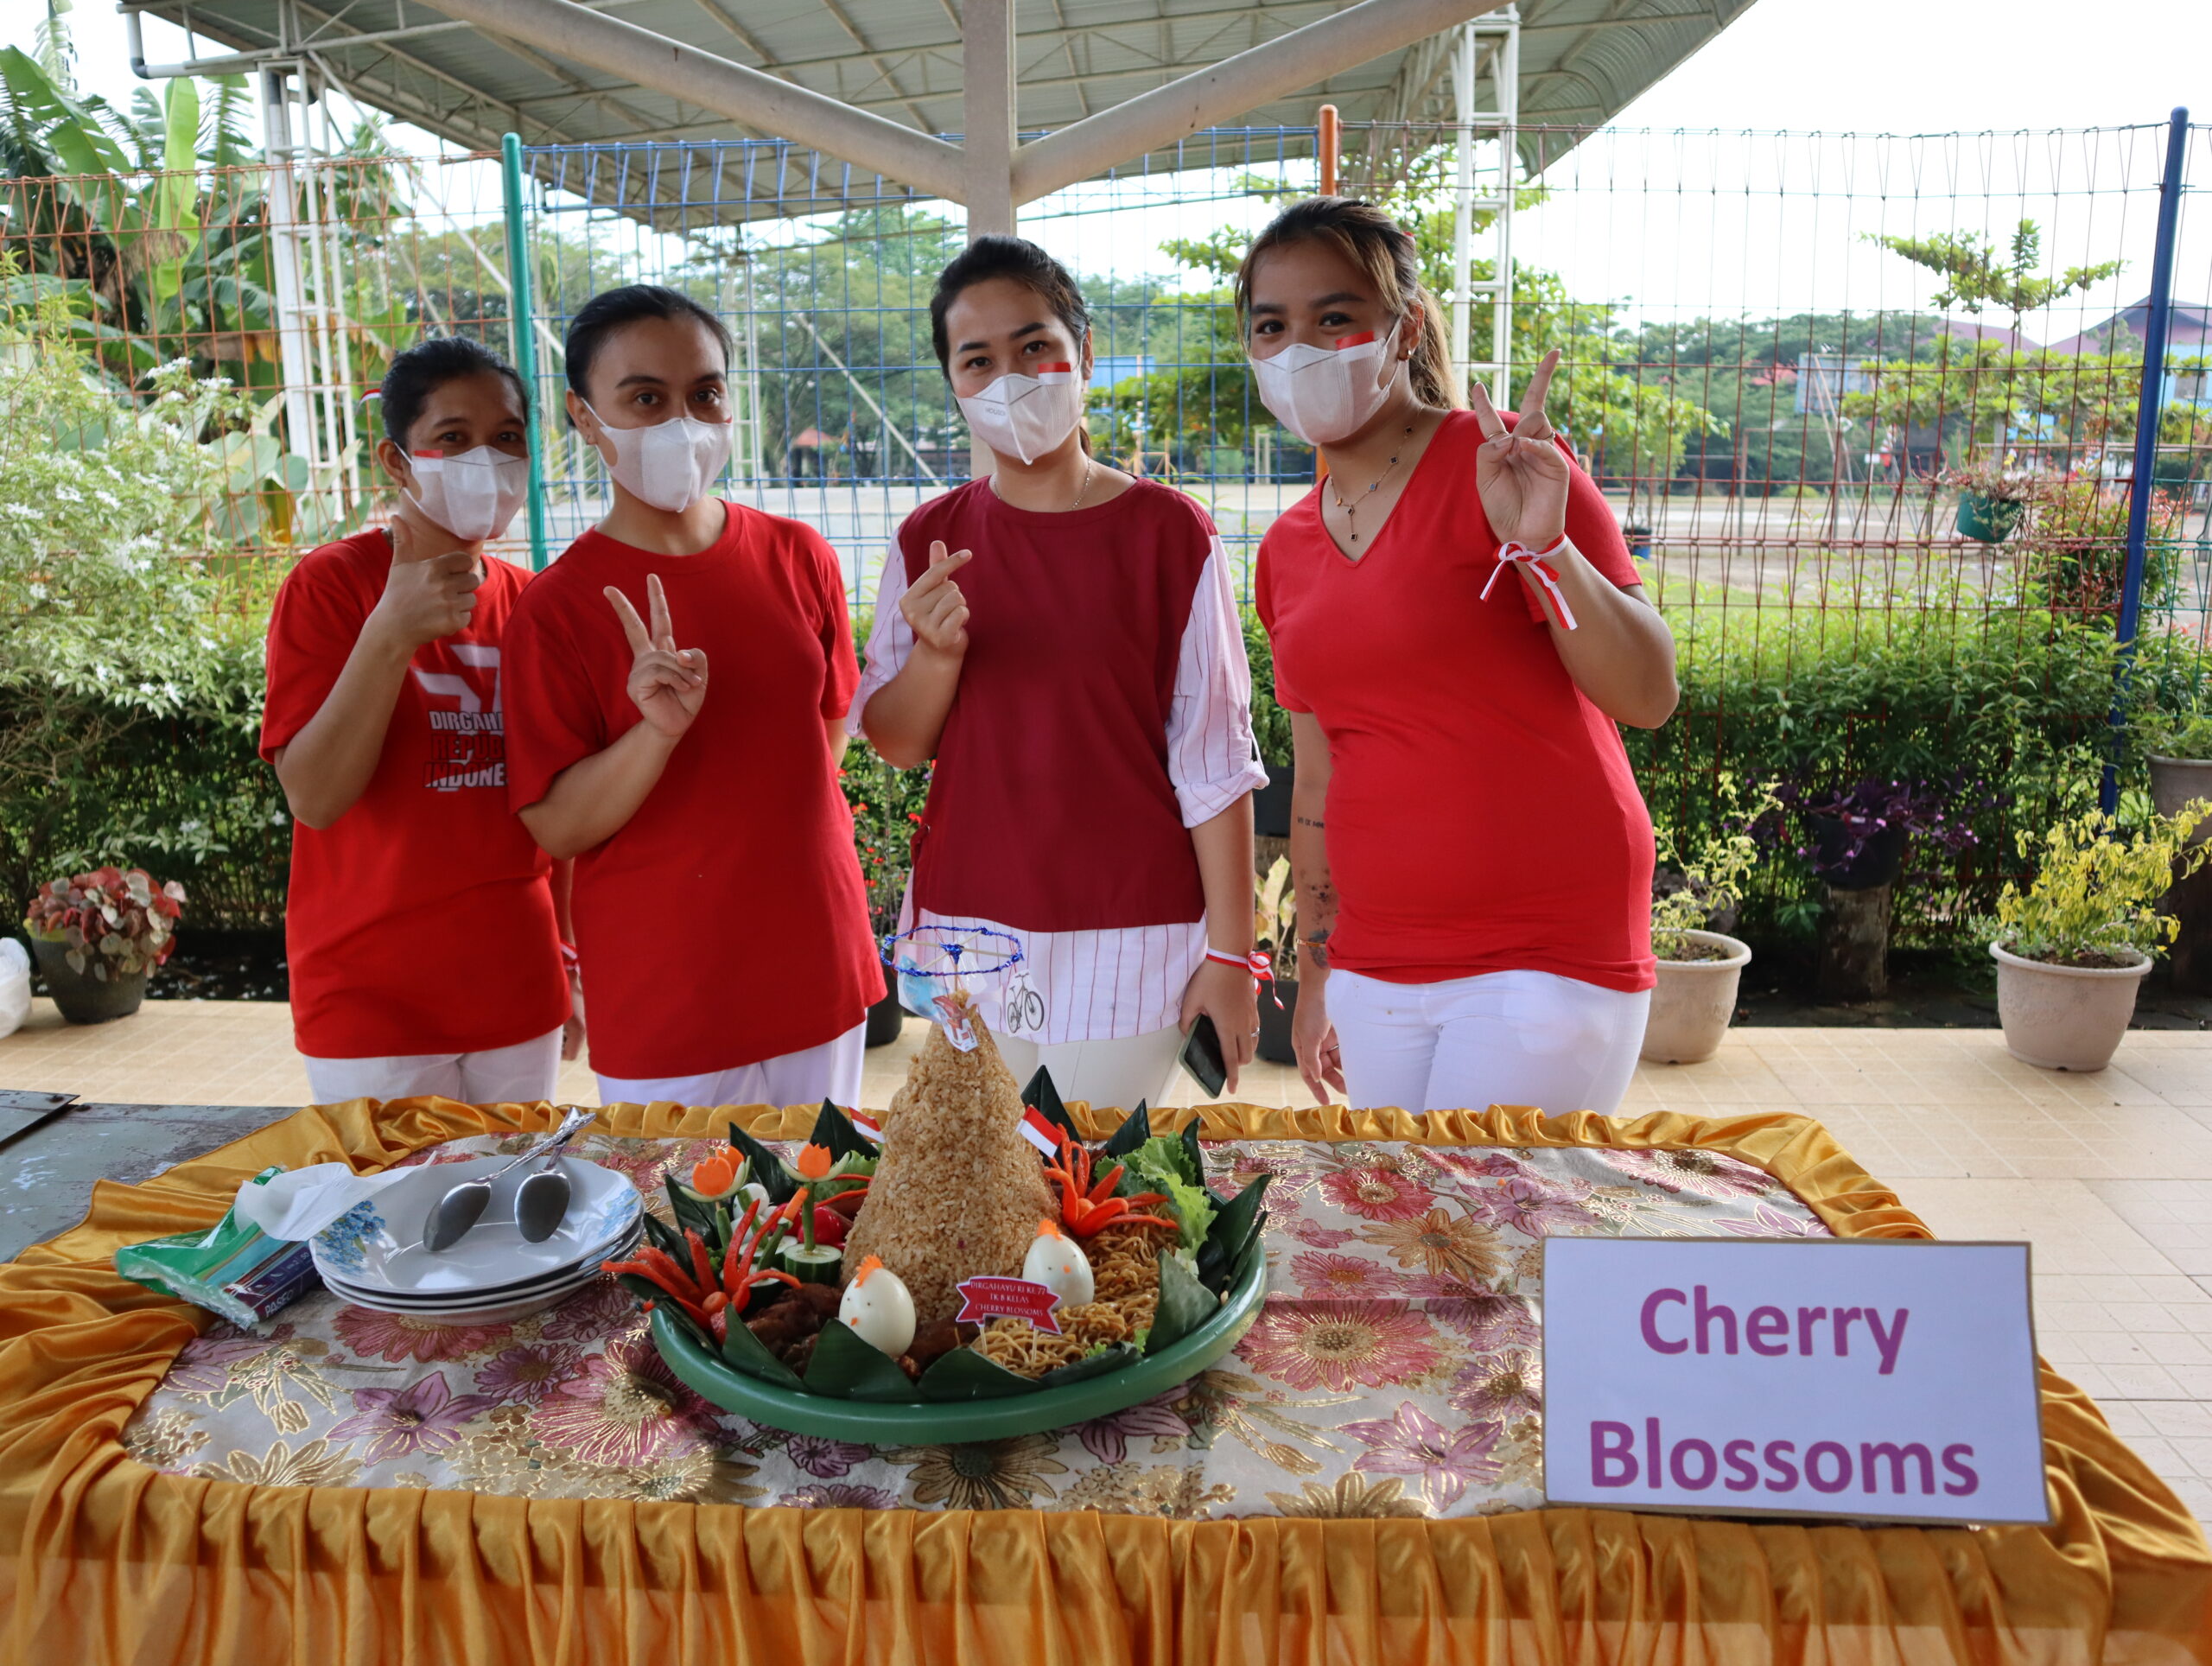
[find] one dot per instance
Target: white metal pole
(284, 258)
(1506, 71)
(1463, 206)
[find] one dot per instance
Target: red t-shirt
(420, 921)
(1481, 817)
(725, 923)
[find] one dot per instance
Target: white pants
(831, 1072)
(1502, 1038)
(522, 1074)
(1116, 1072)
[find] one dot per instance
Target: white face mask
(671, 465)
(1323, 396)
(473, 495)
(1027, 417)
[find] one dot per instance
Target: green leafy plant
(2094, 895)
(1274, 919)
(1701, 878)
(2175, 735)
(116, 922)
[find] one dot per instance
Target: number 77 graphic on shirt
(444, 685)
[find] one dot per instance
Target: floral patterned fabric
(1394, 1370)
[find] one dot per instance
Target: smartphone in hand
(1202, 1056)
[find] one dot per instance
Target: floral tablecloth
(1394, 1372)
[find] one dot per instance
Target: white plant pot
(1693, 1001)
(2067, 1018)
(2175, 782)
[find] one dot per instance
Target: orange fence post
(1331, 129)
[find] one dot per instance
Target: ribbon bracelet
(1257, 963)
(1548, 575)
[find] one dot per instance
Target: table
(115, 1560)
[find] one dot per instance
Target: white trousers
(831, 1072)
(521, 1074)
(1514, 1038)
(1116, 1072)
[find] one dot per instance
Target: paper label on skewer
(989, 1297)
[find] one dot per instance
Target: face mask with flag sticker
(1026, 417)
(473, 495)
(1324, 395)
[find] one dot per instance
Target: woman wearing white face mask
(420, 927)
(1472, 857)
(1083, 688)
(719, 911)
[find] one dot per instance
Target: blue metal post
(2148, 407)
(522, 326)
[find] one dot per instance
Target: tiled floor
(2109, 1175)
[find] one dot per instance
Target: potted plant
(2073, 949)
(1699, 968)
(1991, 501)
(1275, 933)
(98, 935)
(1859, 837)
(2179, 746)
(886, 803)
(1270, 732)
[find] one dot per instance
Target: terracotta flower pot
(2175, 782)
(2067, 1018)
(1693, 1001)
(82, 998)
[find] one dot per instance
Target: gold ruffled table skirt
(103, 1558)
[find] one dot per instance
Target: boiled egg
(878, 1308)
(1054, 1262)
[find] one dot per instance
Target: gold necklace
(1352, 510)
(1087, 467)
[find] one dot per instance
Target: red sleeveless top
(1050, 809)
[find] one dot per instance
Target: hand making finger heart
(1521, 471)
(933, 605)
(667, 683)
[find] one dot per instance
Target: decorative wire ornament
(933, 963)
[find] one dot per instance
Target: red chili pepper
(703, 1268)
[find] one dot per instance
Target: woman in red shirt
(719, 913)
(1472, 857)
(420, 927)
(1083, 688)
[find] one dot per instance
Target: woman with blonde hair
(1471, 856)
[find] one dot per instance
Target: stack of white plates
(374, 1256)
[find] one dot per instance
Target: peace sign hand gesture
(1521, 471)
(667, 683)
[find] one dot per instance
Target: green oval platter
(932, 1423)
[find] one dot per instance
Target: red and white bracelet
(1257, 963)
(1512, 554)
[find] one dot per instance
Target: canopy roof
(1580, 60)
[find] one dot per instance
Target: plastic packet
(233, 1269)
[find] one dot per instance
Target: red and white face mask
(1324, 395)
(473, 495)
(1026, 417)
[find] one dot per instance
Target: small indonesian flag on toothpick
(1037, 1128)
(870, 1129)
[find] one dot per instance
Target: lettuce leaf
(1159, 1165)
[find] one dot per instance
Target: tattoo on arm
(1309, 820)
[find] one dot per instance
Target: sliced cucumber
(820, 1265)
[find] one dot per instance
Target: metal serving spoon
(540, 1201)
(463, 1205)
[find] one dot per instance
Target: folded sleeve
(834, 622)
(889, 637)
(1212, 761)
(555, 716)
(1263, 601)
(313, 628)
